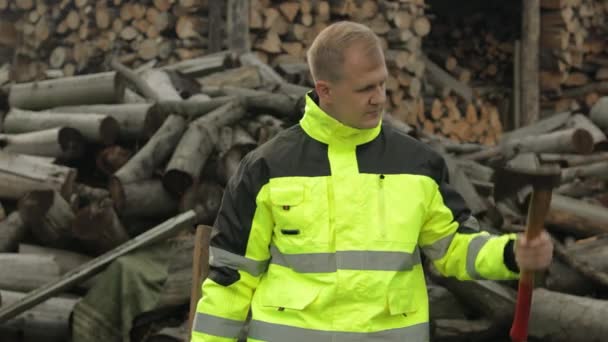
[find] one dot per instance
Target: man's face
(357, 99)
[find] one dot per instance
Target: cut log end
(35, 204)
(117, 193)
(582, 141)
(177, 182)
(71, 142)
(153, 121)
(109, 130)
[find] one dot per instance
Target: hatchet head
(521, 171)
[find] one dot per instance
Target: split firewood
(94, 127)
(20, 174)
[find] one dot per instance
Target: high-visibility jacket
(319, 235)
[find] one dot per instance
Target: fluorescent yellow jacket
(320, 233)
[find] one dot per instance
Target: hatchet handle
(537, 211)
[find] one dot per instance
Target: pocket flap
(285, 194)
(401, 301)
(297, 300)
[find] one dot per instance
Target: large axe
(525, 170)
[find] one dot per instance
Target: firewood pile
(77, 36)
(575, 55)
(90, 162)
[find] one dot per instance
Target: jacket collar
(324, 128)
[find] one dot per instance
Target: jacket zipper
(382, 207)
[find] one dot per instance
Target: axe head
(524, 170)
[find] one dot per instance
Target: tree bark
(48, 217)
(98, 227)
(576, 217)
(49, 321)
(189, 109)
(553, 311)
(158, 233)
(196, 146)
(63, 143)
(20, 174)
(238, 26)
(567, 140)
(94, 127)
(130, 117)
(596, 170)
(543, 126)
(26, 272)
(69, 91)
(12, 231)
(201, 66)
(530, 57)
(144, 199)
(143, 165)
(205, 199)
(448, 330)
(572, 160)
(599, 113)
(65, 260)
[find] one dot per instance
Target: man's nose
(379, 96)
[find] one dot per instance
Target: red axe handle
(539, 206)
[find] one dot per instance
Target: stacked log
(469, 58)
(77, 37)
(574, 59)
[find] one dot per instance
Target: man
(321, 229)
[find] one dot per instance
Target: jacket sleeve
(451, 238)
(238, 255)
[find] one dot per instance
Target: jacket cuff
(508, 256)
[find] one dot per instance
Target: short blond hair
(326, 53)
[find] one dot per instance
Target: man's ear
(323, 90)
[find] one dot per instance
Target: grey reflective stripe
(346, 260)
(221, 258)
(271, 332)
(437, 249)
(216, 326)
(474, 247)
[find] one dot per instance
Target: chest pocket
(300, 220)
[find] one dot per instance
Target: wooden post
(530, 61)
(516, 86)
(200, 267)
(238, 26)
(215, 26)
